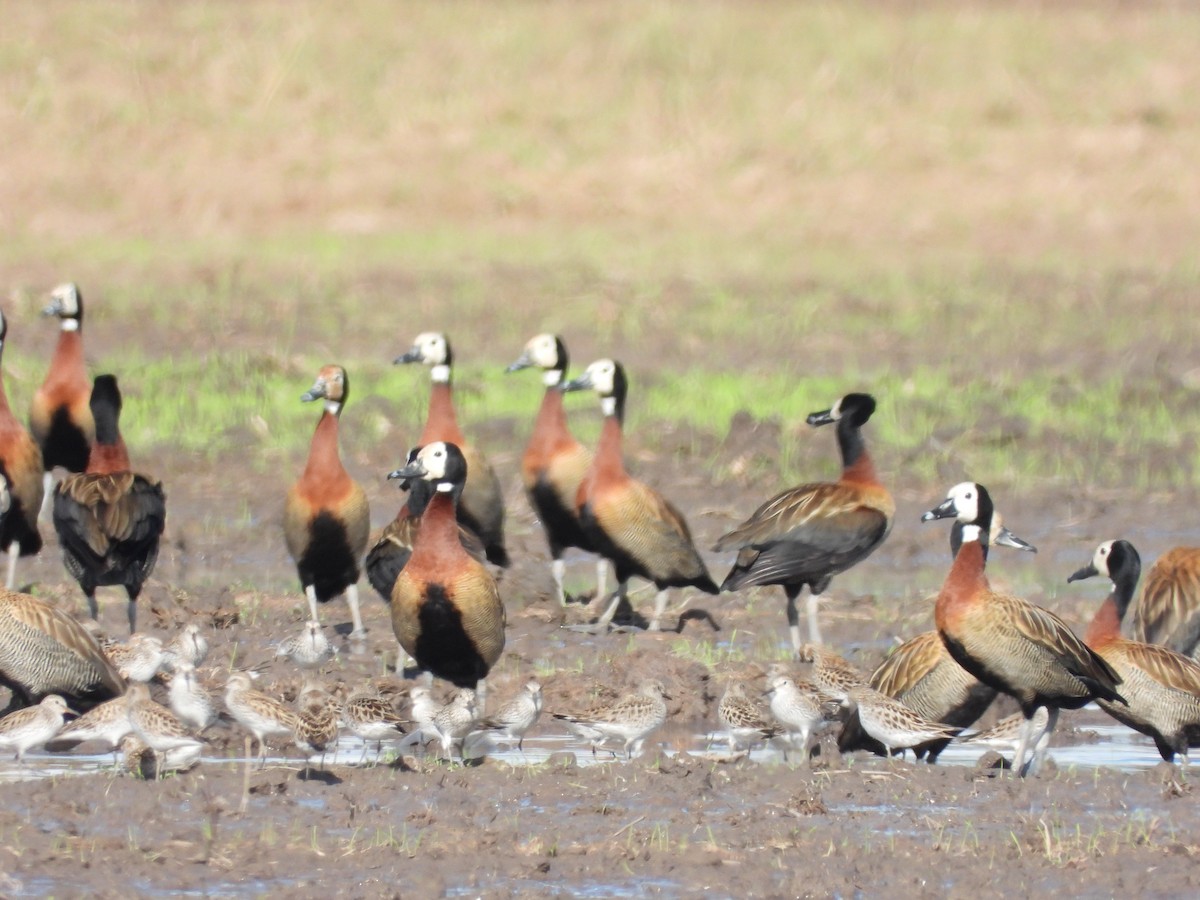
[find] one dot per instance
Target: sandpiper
(743, 721)
(260, 715)
(316, 728)
(831, 673)
(800, 708)
(454, 721)
(139, 658)
(309, 649)
(107, 722)
(891, 722)
(1005, 735)
(512, 720)
(189, 646)
(156, 726)
(190, 699)
(424, 707)
(631, 718)
(371, 718)
(141, 760)
(32, 727)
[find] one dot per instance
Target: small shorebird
(631, 718)
(107, 722)
(309, 649)
(260, 715)
(512, 720)
(891, 722)
(141, 760)
(455, 720)
(1005, 735)
(139, 658)
(32, 727)
(831, 673)
(424, 707)
(156, 726)
(190, 699)
(800, 708)
(316, 728)
(742, 719)
(189, 646)
(371, 718)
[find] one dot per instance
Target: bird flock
(436, 564)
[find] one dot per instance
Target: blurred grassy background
(984, 212)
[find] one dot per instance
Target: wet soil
(675, 820)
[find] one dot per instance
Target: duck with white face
(446, 607)
(482, 507)
(60, 417)
(555, 462)
(1008, 643)
(627, 521)
(327, 518)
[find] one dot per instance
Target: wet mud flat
(659, 825)
(674, 821)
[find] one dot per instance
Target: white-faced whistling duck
(43, 650)
(21, 464)
(326, 520)
(482, 506)
(390, 552)
(1007, 643)
(1161, 687)
(60, 416)
(555, 462)
(807, 535)
(627, 521)
(446, 608)
(924, 676)
(1168, 611)
(109, 519)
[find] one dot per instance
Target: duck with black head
(1006, 642)
(1161, 687)
(627, 521)
(810, 533)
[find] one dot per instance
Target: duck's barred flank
(45, 651)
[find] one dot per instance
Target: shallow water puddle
(1117, 747)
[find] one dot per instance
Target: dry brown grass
(678, 135)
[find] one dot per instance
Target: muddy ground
(666, 823)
